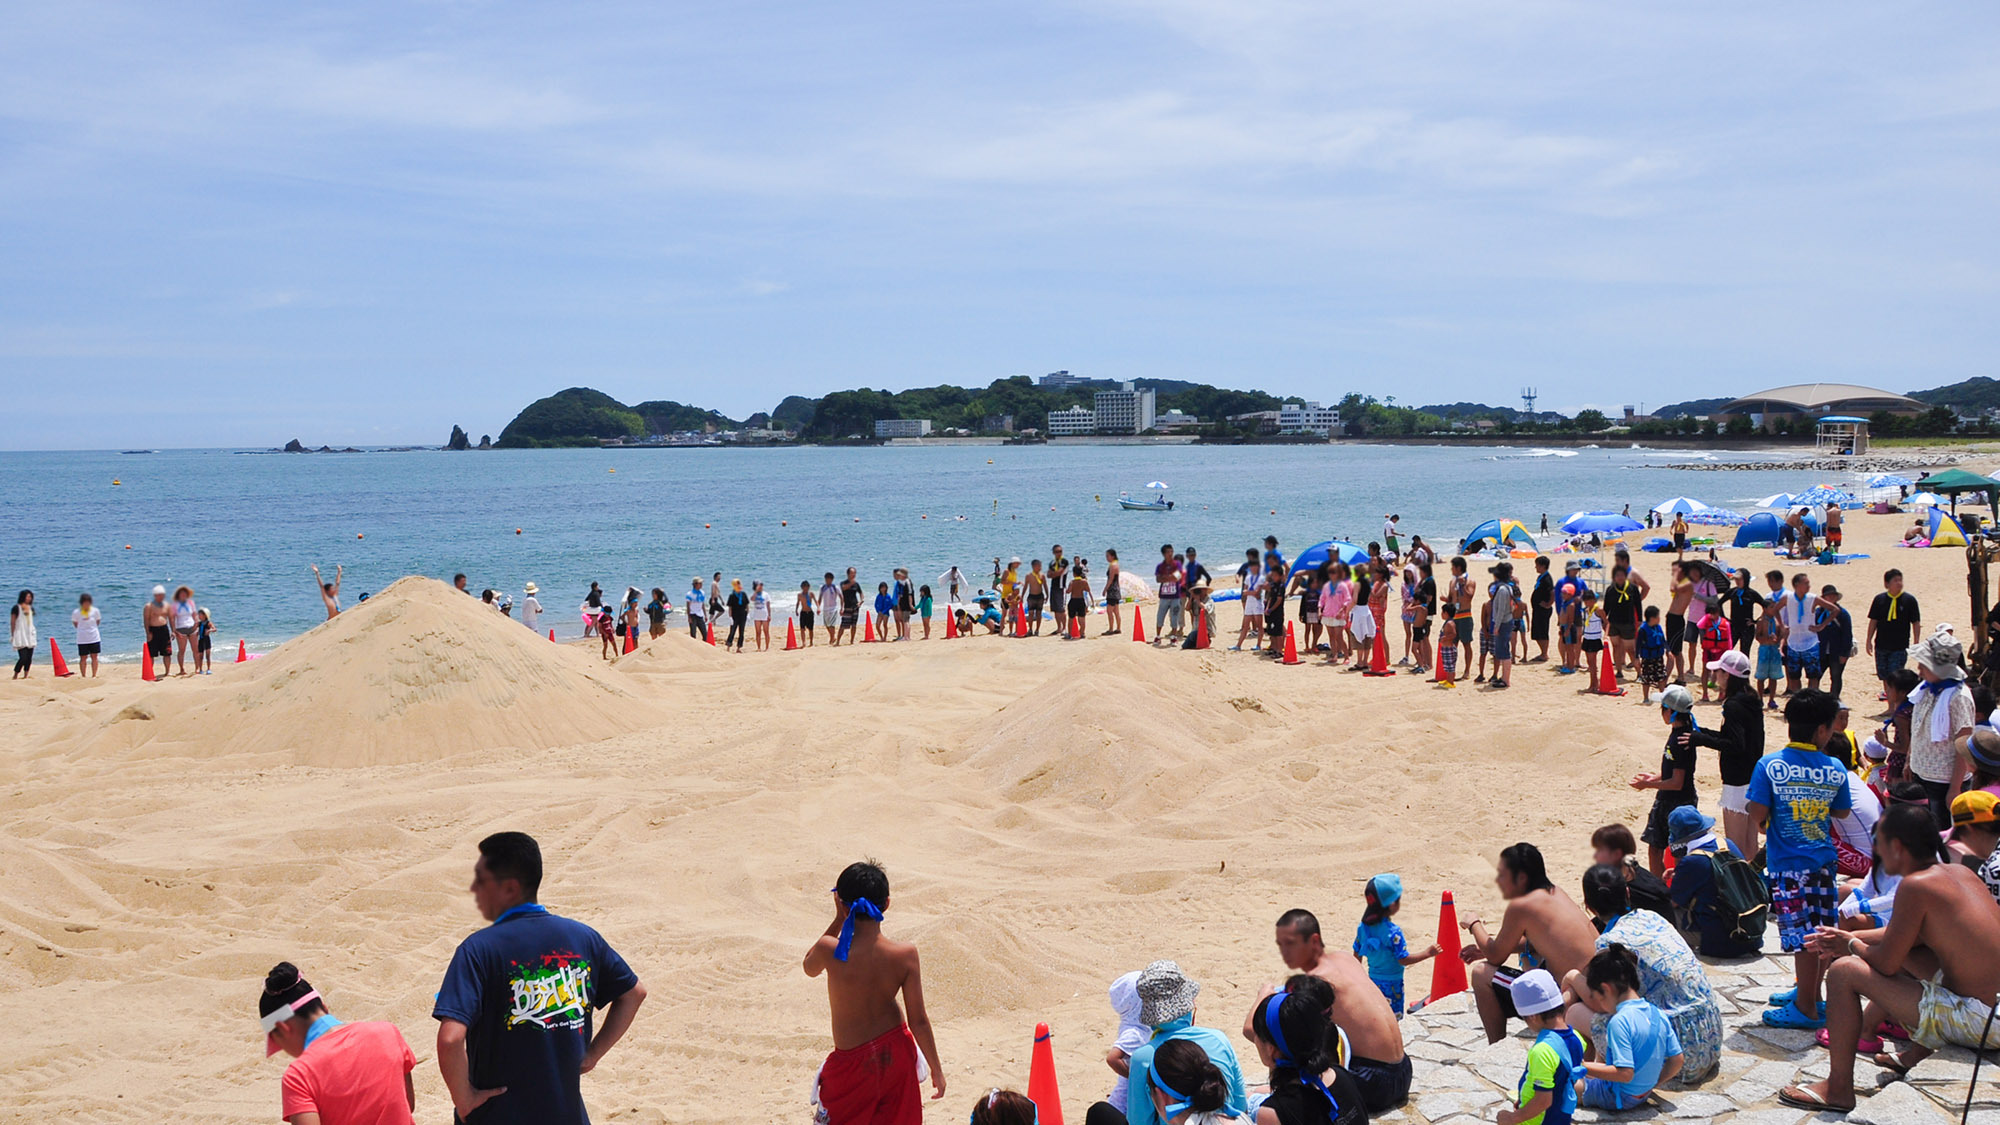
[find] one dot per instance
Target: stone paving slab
(1460, 1079)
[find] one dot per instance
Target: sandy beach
(1051, 814)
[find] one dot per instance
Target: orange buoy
(358, 535)
(517, 531)
(784, 523)
(708, 525)
(128, 546)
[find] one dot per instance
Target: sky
(233, 224)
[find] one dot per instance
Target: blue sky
(365, 222)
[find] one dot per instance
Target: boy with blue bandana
(872, 1076)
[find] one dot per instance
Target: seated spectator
(1166, 1004)
(1004, 1107)
(1185, 1087)
(1975, 834)
(1614, 846)
(1307, 1088)
(1670, 976)
(1641, 1048)
(1696, 897)
(1542, 925)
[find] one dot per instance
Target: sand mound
(418, 672)
(1113, 731)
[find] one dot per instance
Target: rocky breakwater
(1869, 464)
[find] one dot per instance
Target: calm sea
(242, 529)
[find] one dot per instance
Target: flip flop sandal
(1893, 1060)
(1798, 1097)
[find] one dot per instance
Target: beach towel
(877, 1083)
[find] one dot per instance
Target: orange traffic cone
(711, 634)
(1607, 683)
(146, 669)
(1201, 627)
(1291, 645)
(552, 636)
(1378, 665)
(1042, 1079)
(1138, 627)
(243, 649)
(56, 659)
(1447, 968)
(1020, 621)
(631, 641)
(1076, 628)
(950, 624)
(791, 634)
(868, 628)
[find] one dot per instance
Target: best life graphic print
(553, 995)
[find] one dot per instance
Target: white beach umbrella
(1684, 505)
(1930, 499)
(1776, 500)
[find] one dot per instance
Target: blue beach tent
(1760, 530)
(1497, 531)
(1313, 556)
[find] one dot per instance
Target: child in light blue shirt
(1380, 943)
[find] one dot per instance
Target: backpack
(1742, 897)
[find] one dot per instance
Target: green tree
(1591, 421)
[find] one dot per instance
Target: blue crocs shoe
(1789, 1016)
(1780, 999)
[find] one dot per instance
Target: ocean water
(242, 529)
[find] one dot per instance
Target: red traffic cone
(1378, 665)
(1138, 626)
(146, 669)
(631, 640)
(56, 659)
(1291, 645)
(791, 634)
(1607, 682)
(243, 648)
(950, 624)
(552, 636)
(711, 634)
(1447, 968)
(1076, 628)
(1042, 1079)
(867, 628)
(1020, 621)
(1201, 626)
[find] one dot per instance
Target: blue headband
(1180, 1100)
(864, 908)
(1284, 1055)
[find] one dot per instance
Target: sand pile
(418, 672)
(1114, 732)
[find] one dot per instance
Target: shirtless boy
(1934, 968)
(1377, 1061)
(871, 1077)
(329, 592)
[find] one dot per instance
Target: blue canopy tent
(1500, 531)
(1600, 523)
(1313, 556)
(1760, 530)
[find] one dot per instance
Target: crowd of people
(1892, 918)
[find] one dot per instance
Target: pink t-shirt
(352, 1075)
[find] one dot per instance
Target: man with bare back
(1934, 968)
(873, 1075)
(1377, 1060)
(1542, 924)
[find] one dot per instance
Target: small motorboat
(1156, 504)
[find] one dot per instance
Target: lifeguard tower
(1842, 435)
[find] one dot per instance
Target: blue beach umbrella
(1777, 500)
(1600, 523)
(1889, 480)
(1313, 556)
